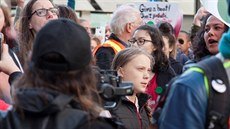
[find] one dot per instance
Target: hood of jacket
(41, 101)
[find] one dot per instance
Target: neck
(132, 98)
(124, 37)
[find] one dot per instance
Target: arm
(202, 12)
(8, 66)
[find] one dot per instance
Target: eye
(54, 10)
(218, 28)
(206, 29)
(141, 41)
(41, 12)
(132, 41)
(141, 68)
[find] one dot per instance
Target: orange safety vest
(110, 43)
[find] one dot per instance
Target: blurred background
(98, 12)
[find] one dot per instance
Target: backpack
(217, 116)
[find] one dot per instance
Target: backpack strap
(218, 93)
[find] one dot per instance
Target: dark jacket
(164, 76)
(56, 111)
(176, 65)
(128, 114)
(186, 104)
(104, 55)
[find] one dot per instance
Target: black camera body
(111, 88)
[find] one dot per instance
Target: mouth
(145, 84)
(212, 41)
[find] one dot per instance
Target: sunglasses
(181, 41)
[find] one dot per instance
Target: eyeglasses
(43, 12)
(181, 41)
(140, 42)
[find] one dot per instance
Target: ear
(153, 48)
(128, 27)
(170, 49)
(120, 72)
(189, 43)
(30, 26)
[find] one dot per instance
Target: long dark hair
(167, 31)
(80, 83)
(161, 60)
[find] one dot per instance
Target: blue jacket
(185, 107)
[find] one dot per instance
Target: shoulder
(103, 49)
(101, 123)
(187, 93)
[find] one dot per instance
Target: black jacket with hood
(56, 111)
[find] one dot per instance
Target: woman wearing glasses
(34, 16)
(150, 39)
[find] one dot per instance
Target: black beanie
(66, 39)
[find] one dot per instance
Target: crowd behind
(50, 58)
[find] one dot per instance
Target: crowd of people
(51, 62)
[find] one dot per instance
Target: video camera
(111, 88)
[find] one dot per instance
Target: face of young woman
(37, 22)
(214, 29)
(138, 72)
(147, 45)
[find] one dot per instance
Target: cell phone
(1, 43)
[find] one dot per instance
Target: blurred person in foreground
(58, 88)
(188, 102)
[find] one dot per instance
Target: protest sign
(154, 12)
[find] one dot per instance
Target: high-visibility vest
(115, 45)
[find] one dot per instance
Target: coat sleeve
(186, 104)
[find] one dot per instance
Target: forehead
(42, 4)
(140, 60)
(141, 33)
(212, 20)
(182, 35)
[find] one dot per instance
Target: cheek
(206, 37)
(37, 24)
(220, 35)
(132, 76)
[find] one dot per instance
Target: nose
(50, 15)
(146, 75)
(210, 32)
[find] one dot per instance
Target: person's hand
(20, 3)
(201, 12)
(7, 64)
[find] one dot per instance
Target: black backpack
(219, 98)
